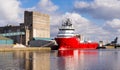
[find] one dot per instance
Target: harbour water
(102, 59)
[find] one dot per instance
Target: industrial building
(36, 26)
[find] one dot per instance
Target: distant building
(36, 25)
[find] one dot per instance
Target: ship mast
(68, 22)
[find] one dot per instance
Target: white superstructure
(66, 30)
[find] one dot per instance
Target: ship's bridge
(66, 28)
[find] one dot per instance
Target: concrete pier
(5, 49)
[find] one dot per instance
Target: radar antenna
(68, 22)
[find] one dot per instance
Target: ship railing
(66, 27)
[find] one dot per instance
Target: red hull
(73, 43)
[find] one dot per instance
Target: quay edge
(25, 49)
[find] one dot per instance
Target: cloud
(81, 4)
(113, 26)
(12, 13)
(107, 10)
(115, 23)
(82, 26)
(103, 9)
(9, 12)
(54, 24)
(45, 6)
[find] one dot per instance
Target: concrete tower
(37, 25)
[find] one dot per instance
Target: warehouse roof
(38, 38)
(4, 38)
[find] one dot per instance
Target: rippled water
(103, 59)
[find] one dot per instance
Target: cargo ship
(67, 39)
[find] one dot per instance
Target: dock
(10, 49)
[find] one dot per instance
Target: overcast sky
(94, 19)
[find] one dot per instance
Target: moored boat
(67, 39)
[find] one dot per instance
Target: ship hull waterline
(69, 43)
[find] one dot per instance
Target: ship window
(65, 32)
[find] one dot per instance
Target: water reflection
(61, 60)
(76, 59)
(25, 60)
(87, 60)
(41, 61)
